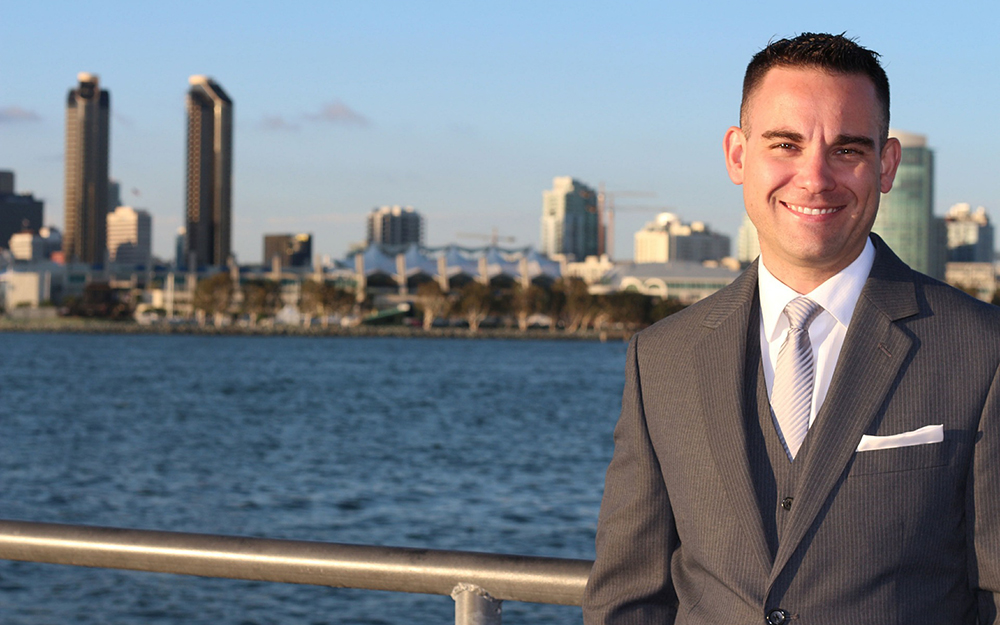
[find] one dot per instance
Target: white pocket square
(922, 436)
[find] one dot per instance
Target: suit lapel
(870, 360)
(724, 399)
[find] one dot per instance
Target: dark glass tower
(88, 109)
(209, 172)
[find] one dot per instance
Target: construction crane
(494, 238)
(606, 216)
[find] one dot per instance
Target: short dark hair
(832, 53)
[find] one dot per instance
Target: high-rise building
(114, 194)
(209, 172)
(88, 112)
(130, 236)
(18, 213)
(906, 214)
(747, 243)
(293, 250)
(970, 235)
(6, 183)
(180, 248)
(667, 239)
(569, 219)
(395, 225)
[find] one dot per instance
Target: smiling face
(812, 168)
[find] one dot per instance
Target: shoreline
(65, 325)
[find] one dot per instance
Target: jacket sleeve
(983, 509)
(630, 583)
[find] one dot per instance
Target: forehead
(797, 96)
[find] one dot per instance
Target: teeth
(806, 210)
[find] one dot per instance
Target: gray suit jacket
(903, 536)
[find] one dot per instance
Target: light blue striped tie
(791, 397)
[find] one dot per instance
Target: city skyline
(465, 113)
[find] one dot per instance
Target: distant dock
(76, 325)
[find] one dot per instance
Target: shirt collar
(838, 295)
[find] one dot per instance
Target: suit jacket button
(777, 617)
(786, 503)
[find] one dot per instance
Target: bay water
(479, 445)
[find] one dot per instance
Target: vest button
(786, 503)
(777, 617)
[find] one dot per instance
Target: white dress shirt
(838, 296)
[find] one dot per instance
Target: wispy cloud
(15, 114)
(277, 123)
(339, 113)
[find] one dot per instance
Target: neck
(802, 280)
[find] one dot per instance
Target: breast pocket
(901, 459)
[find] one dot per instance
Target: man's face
(812, 168)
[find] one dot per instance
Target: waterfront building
(292, 250)
(591, 269)
(404, 268)
(395, 225)
(570, 224)
(88, 114)
(29, 284)
(970, 235)
(18, 212)
(682, 280)
(130, 237)
(668, 239)
(209, 173)
(905, 218)
(747, 243)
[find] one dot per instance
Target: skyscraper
(569, 219)
(88, 111)
(395, 225)
(209, 172)
(906, 214)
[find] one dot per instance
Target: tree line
(567, 303)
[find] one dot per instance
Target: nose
(815, 173)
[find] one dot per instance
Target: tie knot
(801, 311)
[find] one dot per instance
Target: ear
(891, 154)
(734, 145)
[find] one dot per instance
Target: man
(832, 458)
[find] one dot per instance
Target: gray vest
(774, 476)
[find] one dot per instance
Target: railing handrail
(401, 569)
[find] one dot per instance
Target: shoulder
(702, 316)
(925, 303)
(955, 306)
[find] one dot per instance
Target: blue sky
(465, 110)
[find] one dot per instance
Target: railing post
(475, 606)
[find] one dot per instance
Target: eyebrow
(841, 140)
(783, 134)
(868, 142)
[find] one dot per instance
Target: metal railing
(478, 582)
